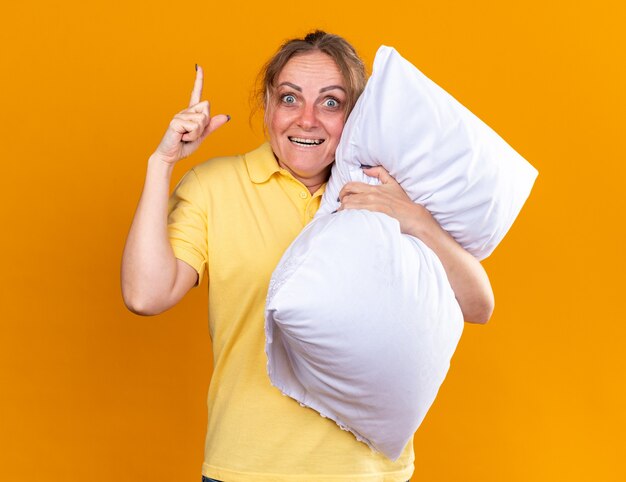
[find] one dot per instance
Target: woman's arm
(153, 279)
(466, 275)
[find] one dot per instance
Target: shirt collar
(261, 163)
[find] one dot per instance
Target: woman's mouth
(300, 141)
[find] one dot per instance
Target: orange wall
(92, 392)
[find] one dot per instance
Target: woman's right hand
(189, 127)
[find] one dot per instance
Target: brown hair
(349, 63)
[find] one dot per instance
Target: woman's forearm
(149, 267)
(467, 277)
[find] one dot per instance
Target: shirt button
(303, 195)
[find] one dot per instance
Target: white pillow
(444, 157)
(361, 324)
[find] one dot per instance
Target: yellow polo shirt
(233, 217)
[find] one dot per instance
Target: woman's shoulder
(233, 165)
(222, 164)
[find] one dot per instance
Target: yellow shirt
(234, 217)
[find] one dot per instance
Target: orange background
(91, 392)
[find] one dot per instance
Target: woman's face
(306, 115)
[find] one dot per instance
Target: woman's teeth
(306, 142)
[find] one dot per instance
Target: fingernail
(365, 166)
(227, 117)
(334, 212)
(196, 67)
(338, 200)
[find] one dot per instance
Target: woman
(234, 217)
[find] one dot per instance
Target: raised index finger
(196, 93)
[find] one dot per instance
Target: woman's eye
(331, 103)
(289, 99)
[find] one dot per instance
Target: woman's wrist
(158, 166)
(421, 224)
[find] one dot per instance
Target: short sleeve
(187, 223)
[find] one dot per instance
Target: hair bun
(314, 36)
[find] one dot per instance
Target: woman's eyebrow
(322, 90)
(332, 87)
(289, 84)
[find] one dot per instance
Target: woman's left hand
(468, 279)
(388, 197)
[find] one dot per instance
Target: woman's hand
(389, 198)
(466, 275)
(189, 127)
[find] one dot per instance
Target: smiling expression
(305, 117)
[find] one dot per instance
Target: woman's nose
(308, 117)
